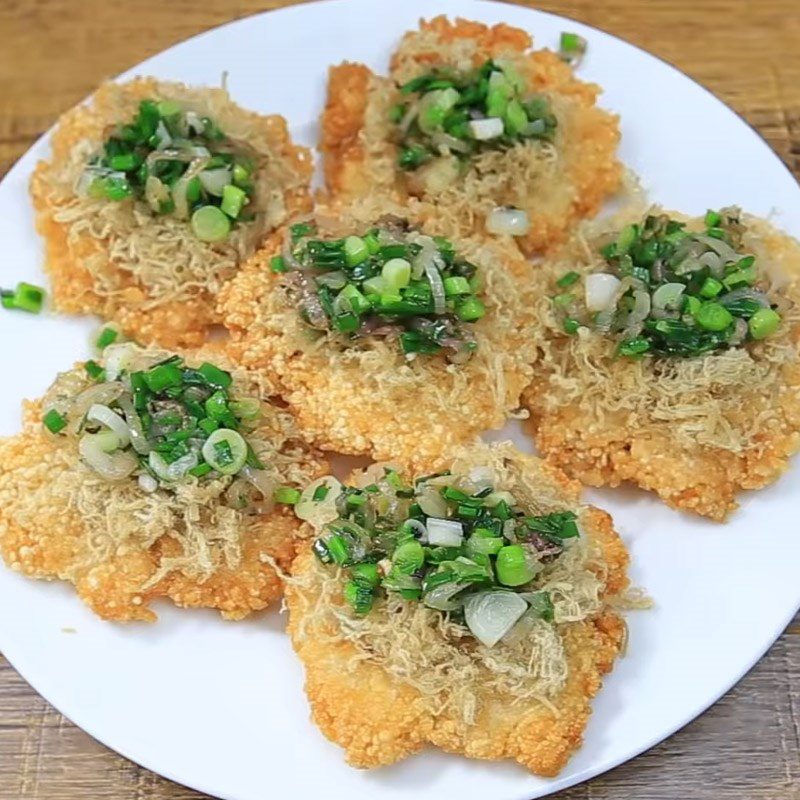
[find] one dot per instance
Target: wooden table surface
(55, 52)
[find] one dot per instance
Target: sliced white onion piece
(135, 429)
(434, 177)
(446, 141)
(163, 139)
(174, 471)
(156, 192)
(215, 180)
(319, 512)
(485, 129)
(491, 615)
(445, 532)
(490, 501)
(119, 358)
(147, 483)
(601, 291)
(441, 597)
(101, 393)
(722, 249)
(428, 257)
(106, 416)
(263, 482)
(508, 221)
(668, 296)
(99, 451)
(431, 502)
(641, 308)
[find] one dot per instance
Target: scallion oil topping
(166, 423)
(179, 163)
(392, 281)
(671, 291)
(447, 111)
(457, 544)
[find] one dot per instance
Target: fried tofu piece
(386, 685)
(123, 547)
(150, 273)
(556, 183)
(696, 431)
(366, 397)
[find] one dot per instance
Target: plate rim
(554, 784)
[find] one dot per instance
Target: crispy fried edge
(349, 173)
(175, 324)
(330, 410)
(704, 481)
(113, 589)
(379, 720)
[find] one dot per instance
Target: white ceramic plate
(219, 706)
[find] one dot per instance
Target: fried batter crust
(379, 720)
(591, 416)
(134, 305)
(368, 400)
(53, 541)
(359, 156)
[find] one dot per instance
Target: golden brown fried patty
(696, 431)
(123, 547)
(150, 273)
(556, 184)
(366, 398)
(390, 684)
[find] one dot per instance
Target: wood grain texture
(54, 52)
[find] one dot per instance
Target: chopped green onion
(210, 224)
(711, 288)
(106, 337)
(764, 323)
(355, 250)
(633, 347)
(713, 317)
(471, 310)
(94, 370)
(53, 421)
(396, 273)
(408, 557)
(366, 574)
(278, 264)
(287, 495)
(567, 280)
(512, 566)
(360, 597)
(338, 549)
(26, 297)
(571, 46)
(215, 376)
(162, 377)
(233, 200)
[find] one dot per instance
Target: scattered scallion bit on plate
(463, 112)
(571, 48)
(26, 297)
(456, 544)
(667, 290)
(391, 281)
(178, 163)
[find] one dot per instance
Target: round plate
(220, 706)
